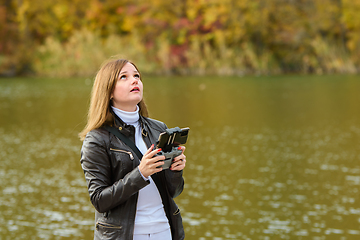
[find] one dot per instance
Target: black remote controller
(169, 156)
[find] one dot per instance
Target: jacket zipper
(176, 212)
(123, 151)
(106, 225)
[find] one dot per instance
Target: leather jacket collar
(128, 130)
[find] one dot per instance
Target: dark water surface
(267, 157)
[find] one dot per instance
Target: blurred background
(269, 89)
(72, 37)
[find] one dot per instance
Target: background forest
(66, 38)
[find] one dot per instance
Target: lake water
(267, 157)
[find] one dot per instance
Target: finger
(182, 148)
(152, 153)
(149, 149)
(155, 170)
(178, 162)
(176, 165)
(158, 163)
(155, 158)
(159, 158)
(178, 158)
(146, 155)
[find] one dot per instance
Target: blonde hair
(100, 103)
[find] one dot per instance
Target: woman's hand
(149, 163)
(179, 161)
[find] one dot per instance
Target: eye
(137, 76)
(122, 77)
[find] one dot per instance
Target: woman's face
(128, 90)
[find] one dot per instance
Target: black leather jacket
(113, 181)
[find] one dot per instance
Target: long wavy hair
(100, 103)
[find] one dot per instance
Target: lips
(135, 89)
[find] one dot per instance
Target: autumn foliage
(232, 37)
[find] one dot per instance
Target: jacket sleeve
(95, 162)
(174, 182)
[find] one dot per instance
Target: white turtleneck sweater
(150, 214)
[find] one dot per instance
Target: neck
(127, 117)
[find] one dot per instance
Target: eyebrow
(126, 72)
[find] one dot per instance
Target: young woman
(133, 198)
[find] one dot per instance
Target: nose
(135, 80)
